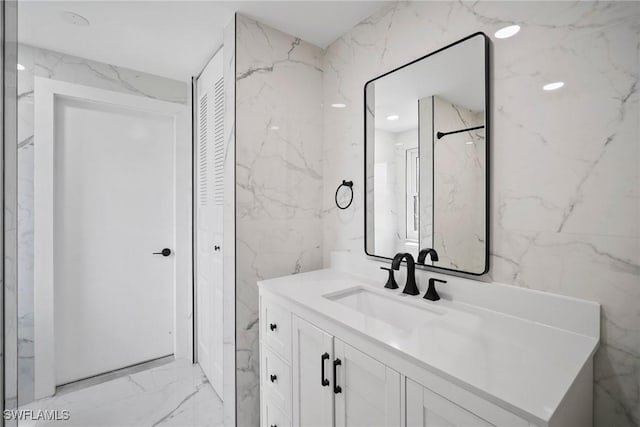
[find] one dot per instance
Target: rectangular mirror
(426, 154)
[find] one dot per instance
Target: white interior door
(210, 199)
(105, 201)
(113, 210)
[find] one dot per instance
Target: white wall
(58, 66)
(278, 180)
(565, 165)
(389, 192)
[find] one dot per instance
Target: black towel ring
(349, 185)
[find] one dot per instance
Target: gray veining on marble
(174, 394)
(565, 165)
(278, 179)
(44, 63)
(459, 188)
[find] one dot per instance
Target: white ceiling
(175, 38)
(455, 74)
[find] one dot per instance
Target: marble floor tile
(174, 394)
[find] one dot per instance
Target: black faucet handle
(391, 281)
(432, 294)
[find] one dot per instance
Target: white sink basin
(390, 309)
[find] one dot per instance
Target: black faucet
(422, 256)
(410, 287)
(432, 294)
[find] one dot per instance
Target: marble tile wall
(278, 180)
(459, 183)
(44, 63)
(565, 165)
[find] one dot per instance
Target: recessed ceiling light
(393, 117)
(74, 19)
(506, 32)
(553, 86)
(339, 105)
(274, 127)
(20, 67)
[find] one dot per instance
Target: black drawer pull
(336, 388)
(323, 380)
(274, 425)
(273, 378)
(272, 326)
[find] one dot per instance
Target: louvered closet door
(210, 190)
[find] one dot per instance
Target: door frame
(46, 92)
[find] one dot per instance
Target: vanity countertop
(519, 363)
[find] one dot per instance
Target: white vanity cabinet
(331, 382)
(330, 355)
(312, 378)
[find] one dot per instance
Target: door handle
(336, 388)
(273, 378)
(164, 252)
(324, 381)
(216, 248)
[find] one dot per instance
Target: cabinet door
(312, 391)
(367, 393)
(428, 409)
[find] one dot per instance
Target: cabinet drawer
(274, 417)
(276, 328)
(276, 380)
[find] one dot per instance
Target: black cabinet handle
(273, 378)
(336, 388)
(274, 425)
(164, 252)
(272, 326)
(323, 380)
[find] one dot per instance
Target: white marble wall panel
(565, 165)
(278, 179)
(459, 188)
(44, 63)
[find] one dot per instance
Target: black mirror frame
(487, 46)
